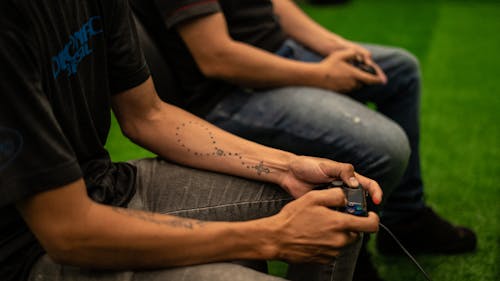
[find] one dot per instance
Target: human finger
(366, 77)
(338, 242)
(367, 55)
(333, 197)
(378, 70)
(344, 171)
(347, 54)
(360, 224)
(372, 187)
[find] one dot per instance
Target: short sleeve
(127, 65)
(175, 12)
(34, 153)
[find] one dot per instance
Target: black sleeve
(127, 65)
(34, 153)
(177, 11)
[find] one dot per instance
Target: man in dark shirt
(265, 71)
(69, 213)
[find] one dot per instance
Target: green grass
(457, 43)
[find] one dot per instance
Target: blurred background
(458, 45)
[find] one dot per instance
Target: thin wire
(406, 252)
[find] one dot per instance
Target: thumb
(347, 54)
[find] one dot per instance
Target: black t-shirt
(60, 62)
(249, 21)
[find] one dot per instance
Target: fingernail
(353, 181)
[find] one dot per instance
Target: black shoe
(426, 233)
(365, 269)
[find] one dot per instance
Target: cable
(406, 252)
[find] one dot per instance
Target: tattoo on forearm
(216, 151)
(150, 217)
(261, 168)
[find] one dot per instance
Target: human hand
(341, 76)
(340, 43)
(307, 230)
(363, 55)
(304, 173)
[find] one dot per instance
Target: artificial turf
(457, 43)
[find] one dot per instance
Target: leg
(166, 188)
(320, 123)
(267, 120)
(198, 194)
(46, 270)
(399, 100)
(163, 187)
(316, 122)
(405, 212)
(333, 272)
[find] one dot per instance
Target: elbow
(66, 249)
(70, 243)
(135, 128)
(144, 127)
(130, 131)
(216, 65)
(212, 70)
(61, 257)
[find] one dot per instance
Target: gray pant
(167, 188)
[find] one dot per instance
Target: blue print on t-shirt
(76, 49)
(11, 143)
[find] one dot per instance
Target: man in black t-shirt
(67, 212)
(265, 71)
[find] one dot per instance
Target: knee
(389, 157)
(408, 63)
(398, 153)
(398, 150)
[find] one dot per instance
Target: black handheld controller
(356, 205)
(356, 198)
(360, 64)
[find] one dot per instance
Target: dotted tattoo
(217, 151)
(261, 168)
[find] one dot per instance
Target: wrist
(272, 169)
(281, 167)
(326, 45)
(258, 239)
(318, 75)
(332, 43)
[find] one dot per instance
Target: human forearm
(202, 145)
(219, 56)
(305, 30)
(246, 65)
(124, 238)
(75, 230)
(194, 142)
(182, 137)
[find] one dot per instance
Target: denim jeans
(382, 144)
(167, 188)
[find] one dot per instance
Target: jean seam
(332, 275)
(228, 205)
